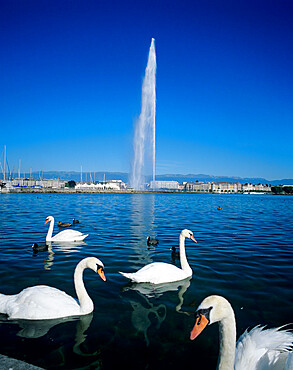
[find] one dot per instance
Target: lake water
(244, 252)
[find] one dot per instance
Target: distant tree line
(70, 184)
(279, 189)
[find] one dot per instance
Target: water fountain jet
(144, 142)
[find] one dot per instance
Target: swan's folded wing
(42, 302)
(156, 273)
(69, 235)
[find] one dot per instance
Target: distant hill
(86, 176)
(100, 176)
(209, 178)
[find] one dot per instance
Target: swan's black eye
(203, 312)
(198, 317)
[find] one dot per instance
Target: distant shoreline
(87, 191)
(105, 191)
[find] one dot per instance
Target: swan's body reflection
(33, 329)
(140, 316)
(69, 247)
(156, 290)
(38, 328)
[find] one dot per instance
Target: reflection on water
(38, 328)
(82, 326)
(248, 243)
(66, 247)
(156, 290)
(185, 285)
(142, 314)
(141, 225)
(50, 258)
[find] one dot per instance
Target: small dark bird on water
(74, 221)
(174, 254)
(152, 241)
(219, 208)
(64, 224)
(39, 247)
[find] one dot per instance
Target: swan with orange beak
(259, 348)
(161, 272)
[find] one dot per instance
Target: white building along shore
(102, 185)
(226, 187)
(23, 184)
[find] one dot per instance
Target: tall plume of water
(144, 143)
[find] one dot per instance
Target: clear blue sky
(71, 76)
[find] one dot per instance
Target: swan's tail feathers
(128, 275)
(125, 274)
(81, 237)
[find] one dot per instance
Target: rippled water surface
(244, 252)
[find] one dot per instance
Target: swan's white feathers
(66, 235)
(289, 362)
(156, 273)
(256, 349)
(262, 348)
(160, 272)
(40, 302)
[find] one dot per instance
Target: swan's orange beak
(46, 222)
(192, 238)
(200, 323)
(101, 273)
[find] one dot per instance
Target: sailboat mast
(19, 168)
(4, 162)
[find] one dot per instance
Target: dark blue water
(244, 253)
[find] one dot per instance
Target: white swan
(42, 302)
(258, 349)
(160, 272)
(64, 236)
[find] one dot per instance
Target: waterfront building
(102, 185)
(164, 185)
(247, 188)
(27, 185)
(201, 187)
(225, 187)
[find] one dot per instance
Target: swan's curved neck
(183, 260)
(227, 331)
(50, 231)
(85, 302)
